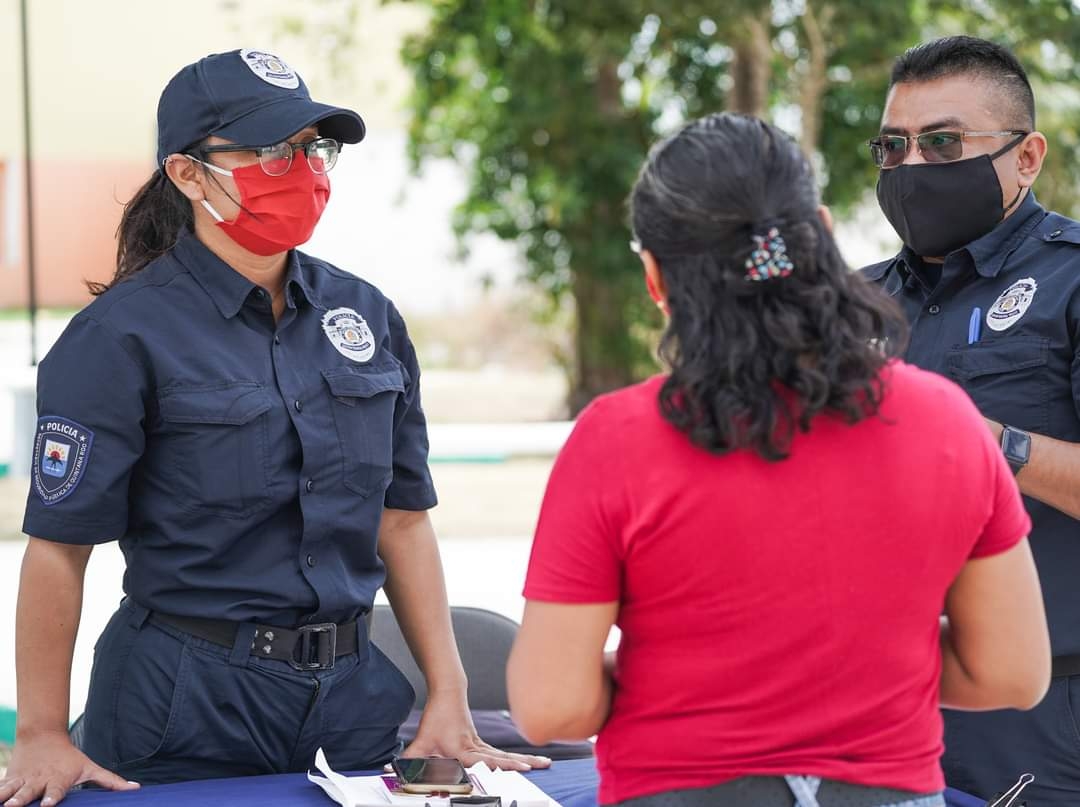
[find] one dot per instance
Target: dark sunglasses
(943, 146)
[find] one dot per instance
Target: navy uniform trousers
(985, 752)
(165, 706)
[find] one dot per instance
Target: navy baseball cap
(250, 97)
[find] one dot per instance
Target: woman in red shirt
(776, 526)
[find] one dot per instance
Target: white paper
(349, 791)
(371, 791)
(512, 786)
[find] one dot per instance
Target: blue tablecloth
(572, 783)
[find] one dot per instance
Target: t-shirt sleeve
(577, 554)
(412, 487)
(1008, 521)
(89, 436)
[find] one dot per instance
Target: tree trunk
(816, 81)
(603, 343)
(604, 347)
(752, 64)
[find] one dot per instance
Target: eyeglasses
(276, 160)
(944, 146)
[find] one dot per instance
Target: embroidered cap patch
(270, 68)
(349, 333)
(61, 452)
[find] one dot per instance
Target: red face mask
(276, 213)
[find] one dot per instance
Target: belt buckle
(325, 650)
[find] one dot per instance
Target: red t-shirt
(776, 618)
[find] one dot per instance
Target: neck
(1013, 206)
(267, 271)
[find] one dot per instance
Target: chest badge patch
(61, 454)
(349, 333)
(1012, 304)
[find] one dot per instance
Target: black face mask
(936, 208)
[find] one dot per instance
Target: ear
(1030, 156)
(186, 176)
(826, 217)
(654, 280)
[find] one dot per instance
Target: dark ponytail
(152, 221)
(752, 361)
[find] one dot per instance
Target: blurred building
(96, 70)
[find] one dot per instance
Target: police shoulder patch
(349, 333)
(1012, 304)
(61, 453)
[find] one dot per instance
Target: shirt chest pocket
(1007, 379)
(364, 400)
(216, 439)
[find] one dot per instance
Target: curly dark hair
(751, 362)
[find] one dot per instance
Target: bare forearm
(959, 689)
(1052, 474)
(416, 589)
(544, 716)
(46, 622)
(995, 646)
(559, 678)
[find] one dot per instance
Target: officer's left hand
(446, 730)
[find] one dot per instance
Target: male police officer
(990, 282)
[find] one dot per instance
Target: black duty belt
(1065, 666)
(307, 648)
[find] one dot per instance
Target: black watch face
(1016, 446)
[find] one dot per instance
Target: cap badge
(270, 69)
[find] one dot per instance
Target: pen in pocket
(974, 325)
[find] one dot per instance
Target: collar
(224, 285)
(990, 252)
(296, 280)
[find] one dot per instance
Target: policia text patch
(61, 452)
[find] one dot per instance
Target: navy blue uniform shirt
(243, 464)
(1022, 366)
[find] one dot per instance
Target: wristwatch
(1016, 446)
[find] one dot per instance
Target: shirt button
(298, 406)
(309, 485)
(934, 309)
(277, 339)
(311, 560)
(1055, 234)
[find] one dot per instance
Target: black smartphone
(431, 775)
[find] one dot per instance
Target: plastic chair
(484, 639)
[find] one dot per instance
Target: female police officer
(246, 420)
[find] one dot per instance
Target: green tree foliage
(552, 104)
(1045, 35)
